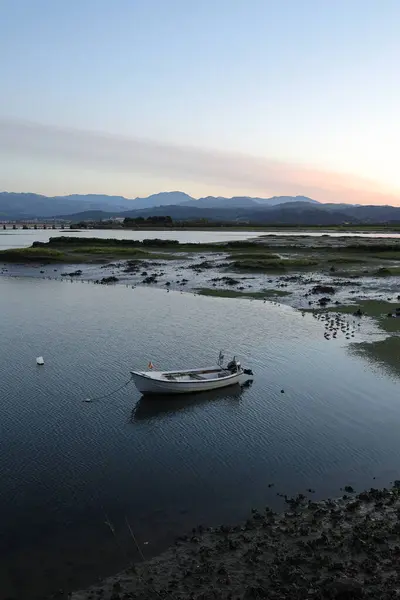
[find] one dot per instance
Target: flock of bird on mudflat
(335, 324)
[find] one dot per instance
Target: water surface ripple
(67, 466)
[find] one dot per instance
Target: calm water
(22, 238)
(67, 466)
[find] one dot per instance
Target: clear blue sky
(188, 92)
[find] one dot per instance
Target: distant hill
(30, 206)
(301, 213)
(163, 199)
(213, 202)
(285, 199)
(296, 210)
(278, 214)
(246, 201)
(88, 215)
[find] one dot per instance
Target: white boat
(189, 381)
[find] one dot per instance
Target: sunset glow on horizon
(228, 98)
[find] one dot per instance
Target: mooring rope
(110, 393)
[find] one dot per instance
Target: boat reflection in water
(153, 407)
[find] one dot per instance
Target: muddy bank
(335, 278)
(308, 271)
(345, 548)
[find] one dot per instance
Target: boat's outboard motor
(232, 366)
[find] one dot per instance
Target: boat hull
(146, 384)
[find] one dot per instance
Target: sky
(218, 97)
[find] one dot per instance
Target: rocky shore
(334, 549)
(309, 272)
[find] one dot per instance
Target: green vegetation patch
(108, 250)
(67, 241)
(86, 253)
(384, 353)
(240, 244)
(270, 265)
(121, 252)
(387, 272)
(254, 255)
(373, 247)
(346, 260)
(388, 255)
(223, 293)
(32, 255)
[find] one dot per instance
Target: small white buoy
(39, 360)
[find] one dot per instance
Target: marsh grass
(223, 293)
(31, 254)
(385, 353)
(121, 252)
(254, 256)
(270, 265)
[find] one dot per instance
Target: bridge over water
(36, 225)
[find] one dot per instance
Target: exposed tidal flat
(79, 479)
(341, 549)
(335, 273)
(288, 263)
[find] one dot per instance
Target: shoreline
(344, 548)
(350, 306)
(190, 548)
(310, 272)
(373, 229)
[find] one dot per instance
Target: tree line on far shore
(146, 222)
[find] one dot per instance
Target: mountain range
(28, 205)
(181, 206)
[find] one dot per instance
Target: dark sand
(343, 549)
